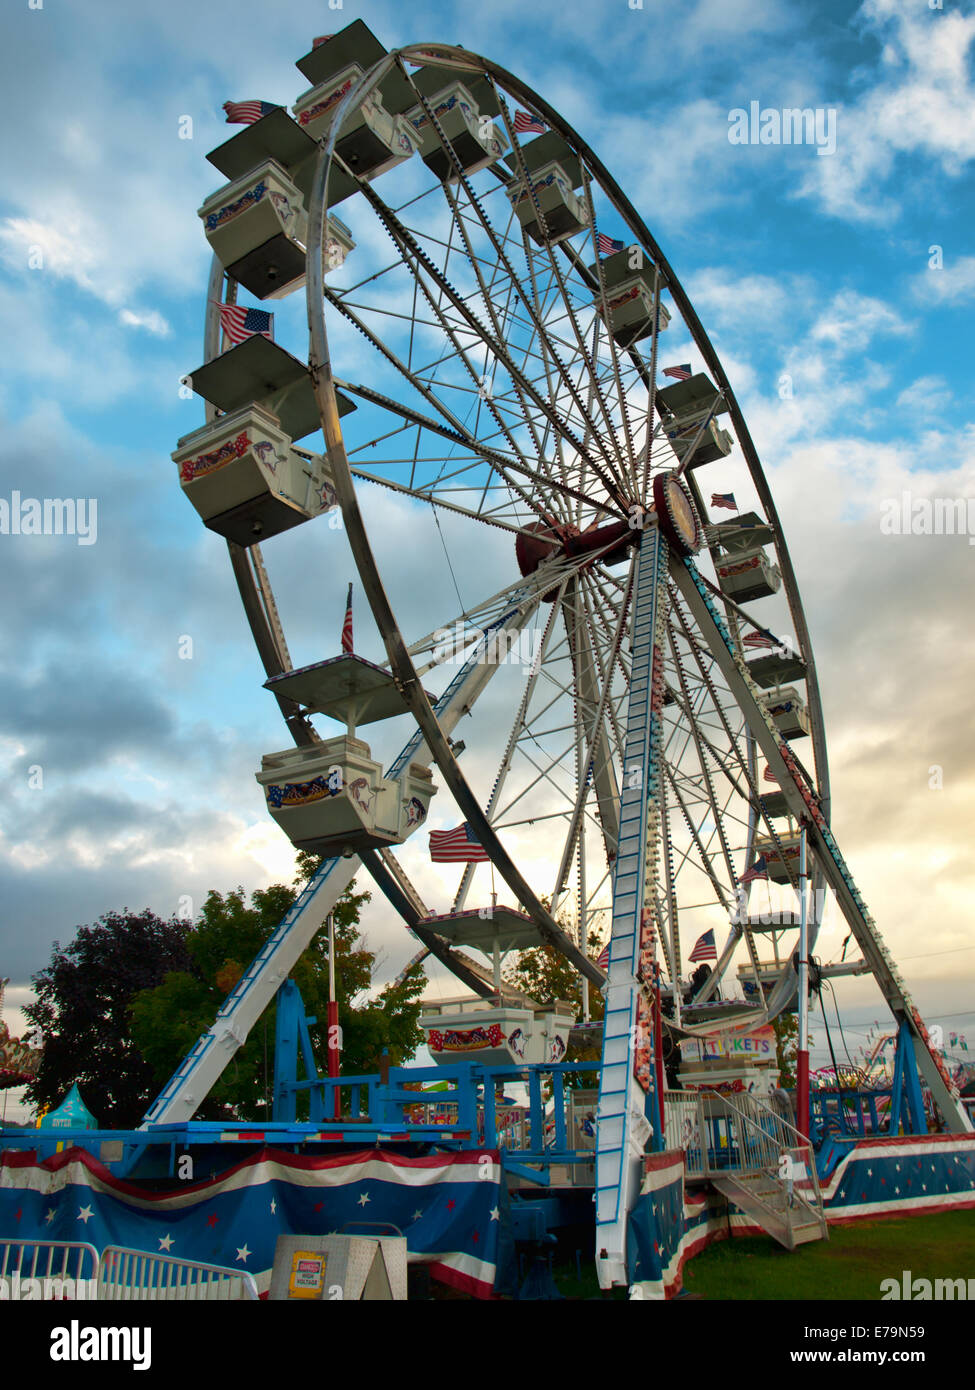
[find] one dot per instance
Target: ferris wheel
(614, 696)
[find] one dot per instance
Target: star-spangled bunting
(347, 646)
(606, 245)
(238, 322)
(704, 948)
(322, 38)
(724, 499)
(247, 112)
(447, 1204)
(525, 123)
(680, 373)
(760, 640)
(769, 776)
(758, 870)
(459, 846)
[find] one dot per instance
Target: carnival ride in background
(19, 1057)
(628, 659)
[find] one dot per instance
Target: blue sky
(816, 267)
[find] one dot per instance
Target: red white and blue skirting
(452, 1208)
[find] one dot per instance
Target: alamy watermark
(927, 1290)
(50, 516)
(908, 515)
(790, 125)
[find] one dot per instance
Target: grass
(850, 1265)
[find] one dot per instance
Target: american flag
(769, 776)
(765, 640)
(322, 38)
(239, 322)
(247, 112)
(704, 948)
(524, 122)
(606, 245)
(680, 373)
(602, 960)
(347, 625)
(758, 870)
(724, 499)
(459, 846)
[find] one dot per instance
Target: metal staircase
(756, 1159)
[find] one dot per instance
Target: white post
(802, 1075)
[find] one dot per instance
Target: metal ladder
(622, 1127)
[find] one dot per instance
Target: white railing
(724, 1134)
(135, 1274)
(62, 1268)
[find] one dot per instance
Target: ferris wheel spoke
(423, 268)
(491, 809)
(598, 763)
(497, 327)
(610, 450)
(453, 429)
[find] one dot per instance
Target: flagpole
(802, 1070)
(334, 1032)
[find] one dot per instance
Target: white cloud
(149, 319)
(923, 104)
(926, 396)
(954, 283)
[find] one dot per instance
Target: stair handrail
(783, 1131)
(801, 1141)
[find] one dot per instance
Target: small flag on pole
(459, 846)
(704, 948)
(758, 870)
(680, 373)
(724, 499)
(524, 123)
(763, 640)
(247, 112)
(602, 960)
(322, 38)
(606, 245)
(347, 625)
(239, 322)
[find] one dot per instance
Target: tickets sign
(755, 1046)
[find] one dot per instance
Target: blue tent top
(72, 1113)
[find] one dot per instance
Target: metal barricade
(136, 1274)
(64, 1269)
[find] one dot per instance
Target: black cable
(836, 1071)
(839, 1021)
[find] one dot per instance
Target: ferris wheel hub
(609, 542)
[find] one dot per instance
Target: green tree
(82, 1008)
(786, 1048)
(545, 975)
(167, 1020)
